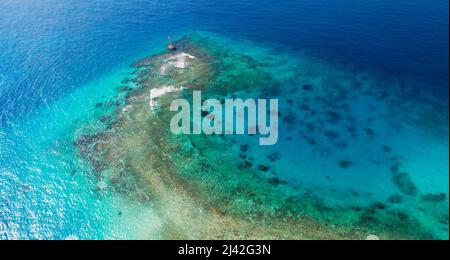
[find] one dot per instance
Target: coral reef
(219, 187)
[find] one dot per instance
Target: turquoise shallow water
(54, 194)
(59, 61)
(57, 196)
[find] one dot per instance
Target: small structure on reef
(171, 46)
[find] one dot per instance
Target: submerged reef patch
(440, 197)
(403, 180)
(344, 164)
(395, 199)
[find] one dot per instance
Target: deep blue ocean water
(49, 49)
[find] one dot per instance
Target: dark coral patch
(333, 117)
(290, 119)
(307, 87)
(403, 181)
(440, 197)
(125, 89)
(379, 206)
(387, 149)
(276, 181)
(344, 164)
(370, 132)
(332, 135)
(244, 148)
(245, 165)
(273, 157)
(263, 168)
(395, 199)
